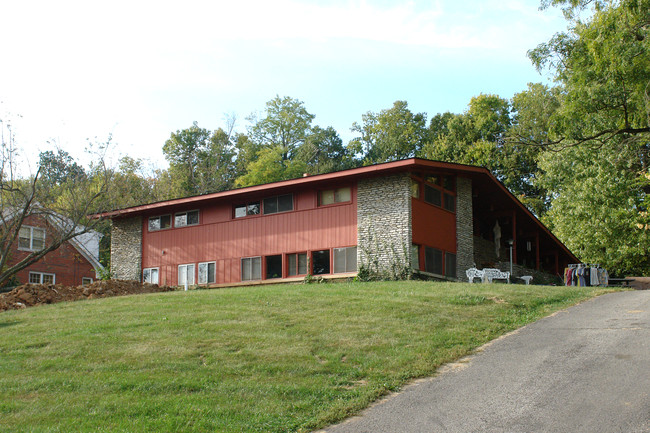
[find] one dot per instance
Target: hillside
(273, 359)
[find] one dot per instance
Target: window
(450, 202)
(415, 188)
(31, 238)
(183, 219)
(207, 273)
(448, 183)
(160, 222)
(297, 264)
(247, 209)
(415, 256)
(321, 261)
(280, 203)
(450, 265)
(273, 267)
(432, 195)
(251, 268)
(41, 278)
(345, 259)
(85, 281)
(433, 260)
(338, 195)
(150, 275)
(186, 275)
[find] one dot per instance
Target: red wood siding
(68, 265)
(221, 238)
(433, 226)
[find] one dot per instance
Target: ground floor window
(207, 272)
(297, 264)
(345, 260)
(273, 266)
(415, 256)
(251, 268)
(450, 265)
(85, 281)
(433, 260)
(41, 278)
(321, 262)
(150, 275)
(186, 275)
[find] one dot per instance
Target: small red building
(75, 262)
(434, 217)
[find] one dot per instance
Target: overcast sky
(72, 71)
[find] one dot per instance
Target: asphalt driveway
(585, 369)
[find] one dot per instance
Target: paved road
(585, 369)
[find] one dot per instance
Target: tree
(286, 125)
(200, 161)
(603, 66)
(270, 166)
(59, 193)
(392, 134)
(599, 206)
(323, 151)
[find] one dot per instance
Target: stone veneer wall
(464, 227)
(126, 248)
(384, 229)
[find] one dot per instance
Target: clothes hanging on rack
(585, 275)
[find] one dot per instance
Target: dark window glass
(253, 208)
(450, 202)
(450, 265)
(270, 205)
(433, 260)
(193, 217)
(448, 183)
(273, 267)
(432, 195)
(285, 203)
(321, 260)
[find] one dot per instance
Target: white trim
(157, 275)
(31, 237)
(41, 277)
(214, 275)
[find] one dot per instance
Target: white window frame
(183, 221)
(86, 280)
(204, 275)
(247, 264)
(150, 271)
(31, 238)
(41, 277)
(188, 270)
(159, 223)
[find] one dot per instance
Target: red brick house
(434, 217)
(75, 262)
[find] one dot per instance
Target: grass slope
(271, 359)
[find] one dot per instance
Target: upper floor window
(248, 209)
(337, 195)
(189, 218)
(279, 203)
(160, 222)
(31, 238)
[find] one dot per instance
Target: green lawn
(268, 359)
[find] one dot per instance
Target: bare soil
(640, 283)
(31, 295)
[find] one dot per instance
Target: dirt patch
(30, 295)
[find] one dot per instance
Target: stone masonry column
(464, 227)
(126, 248)
(384, 229)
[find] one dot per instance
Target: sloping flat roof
(353, 173)
(413, 164)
